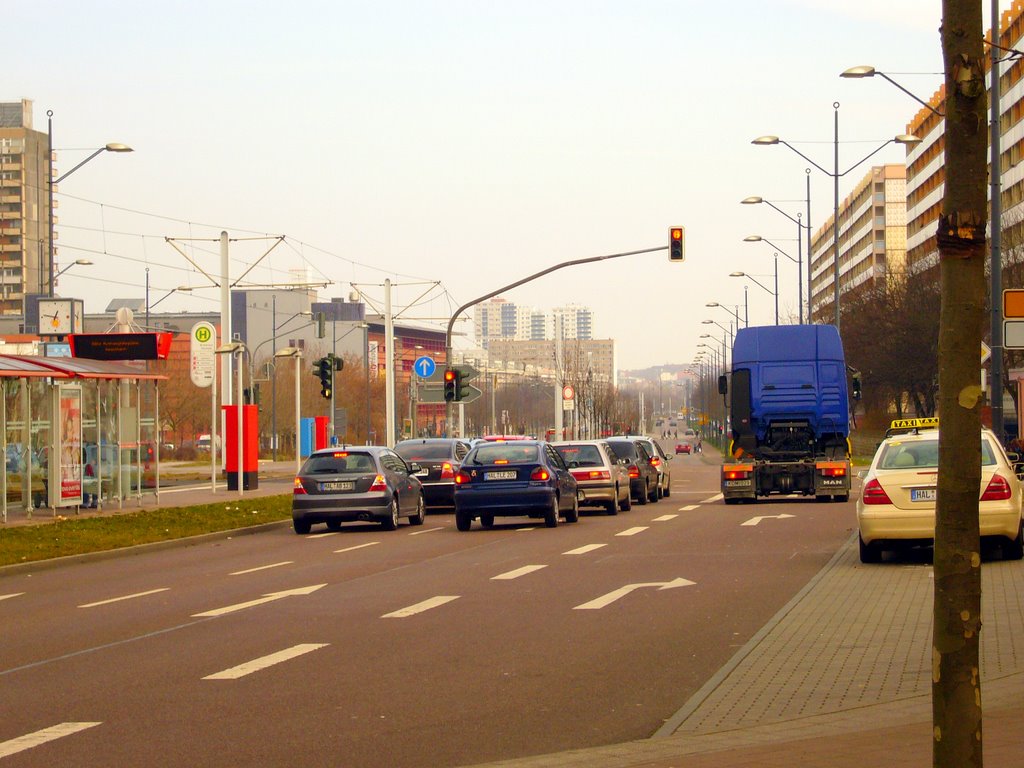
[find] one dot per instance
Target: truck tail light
(998, 489)
(874, 493)
(737, 473)
(298, 489)
(379, 484)
(832, 470)
(446, 471)
(539, 473)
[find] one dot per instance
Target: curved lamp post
(774, 293)
(757, 200)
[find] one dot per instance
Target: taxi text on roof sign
(929, 422)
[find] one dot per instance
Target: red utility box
(320, 424)
(250, 447)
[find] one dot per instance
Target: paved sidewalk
(840, 677)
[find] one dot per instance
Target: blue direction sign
(425, 367)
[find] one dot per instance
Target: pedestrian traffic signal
(326, 375)
(451, 385)
(676, 244)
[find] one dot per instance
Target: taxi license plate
(922, 494)
(508, 474)
(337, 486)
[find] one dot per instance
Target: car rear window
(338, 463)
(423, 451)
(583, 455)
(923, 454)
(624, 450)
(503, 453)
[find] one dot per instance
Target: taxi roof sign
(899, 426)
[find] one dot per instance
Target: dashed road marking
(265, 661)
(426, 530)
(584, 549)
(689, 508)
(664, 518)
(523, 530)
(261, 568)
(518, 572)
(124, 597)
(268, 598)
(713, 499)
(426, 605)
(632, 531)
(316, 536)
(13, 594)
(29, 740)
(357, 546)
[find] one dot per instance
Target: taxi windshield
(922, 454)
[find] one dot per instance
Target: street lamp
(905, 139)
(757, 200)
(856, 73)
(296, 353)
(735, 314)
(50, 182)
(799, 287)
(774, 293)
(75, 263)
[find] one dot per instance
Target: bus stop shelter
(77, 432)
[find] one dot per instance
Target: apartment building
(24, 208)
(872, 238)
(499, 318)
(578, 355)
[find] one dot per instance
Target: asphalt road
(421, 647)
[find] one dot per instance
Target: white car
(896, 507)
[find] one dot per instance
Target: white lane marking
(523, 530)
(664, 518)
(584, 549)
(261, 568)
(426, 530)
(265, 661)
(632, 531)
(426, 605)
(13, 594)
(29, 740)
(270, 597)
(688, 508)
(759, 518)
(611, 597)
(124, 597)
(357, 546)
(316, 536)
(712, 499)
(518, 572)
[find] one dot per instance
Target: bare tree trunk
(956, 678)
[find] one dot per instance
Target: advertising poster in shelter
(70, 442)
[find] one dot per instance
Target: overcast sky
(468, 142)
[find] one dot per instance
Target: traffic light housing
(324, 372)
(676, 244)
(451, 385)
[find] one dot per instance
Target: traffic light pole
(510, 286)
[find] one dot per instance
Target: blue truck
(789, 414)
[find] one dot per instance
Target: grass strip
(76, 536)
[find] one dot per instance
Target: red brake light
(462, 477)
(298, 490)
(592, 474)
(378, 484)
(634, 470)
(539, 473)
(874, 493)
(998, 489)
(446, 471)
(655, 461)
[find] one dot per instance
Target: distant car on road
(643, 475)
(371, 482)
(682, 448)
(515, 477)
(439, 459)
(601, 477)
(659, 460)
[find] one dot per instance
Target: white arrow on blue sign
(425, 366)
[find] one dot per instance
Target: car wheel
(463, 521)
(391, 522)
(659, 492)
(551, 516)
(573, 515)
(487, 521)
(641, 498)
(334, 525)
(420, 514)
(1013, 549)
(301, 526)
(655, 494)
(627, 503)
(612, 507)
(869, 553)
(668, 486)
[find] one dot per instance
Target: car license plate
(337, 486)
(507, 474)
(922, 494)
(423, 473)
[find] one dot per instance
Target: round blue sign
(425, 367)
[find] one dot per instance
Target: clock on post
(59, 317)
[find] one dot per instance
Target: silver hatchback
(601, 477)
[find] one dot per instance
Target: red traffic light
(676, 244)
(449, 375)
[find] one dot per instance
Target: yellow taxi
(897, 503)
